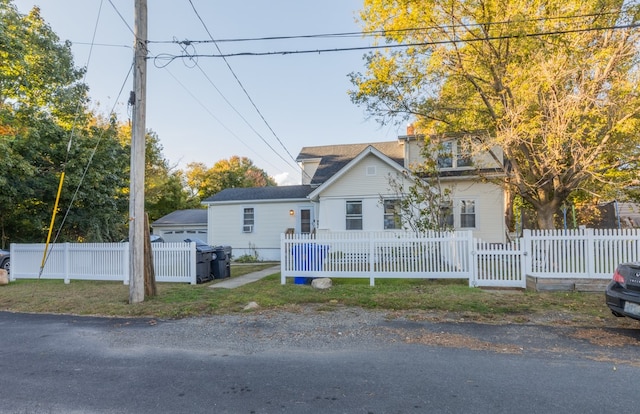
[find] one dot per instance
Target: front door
(305, 220)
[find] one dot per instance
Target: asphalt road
(343, 361)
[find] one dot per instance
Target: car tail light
(617, 277)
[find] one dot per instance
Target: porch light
(291, 212)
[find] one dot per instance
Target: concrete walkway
(234, 282)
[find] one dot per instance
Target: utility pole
(137, 232)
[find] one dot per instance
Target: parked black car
(4, 260)
(623, 292)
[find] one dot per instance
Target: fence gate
(499, 265)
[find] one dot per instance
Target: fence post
(372, 278)
(589, 235)
(472, 260)
(67, 261)
(193, 263)
(283, 263)
(527, 267)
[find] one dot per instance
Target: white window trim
(354, 216)
(397, 213)
(457, 210)
(454, 157)
(248, 228)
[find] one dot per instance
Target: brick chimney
(410, 129)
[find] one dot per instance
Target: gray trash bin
(204, 257)
(221, 264)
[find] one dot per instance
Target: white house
(346, 188)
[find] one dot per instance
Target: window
(247, 220)
(463, 154)
(354, 215)
(467, 214)
(454, 154)
(445, 155)
(392, 214)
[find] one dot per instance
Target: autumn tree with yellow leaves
(554, 84)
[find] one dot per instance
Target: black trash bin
(221, 265)
(204, 257)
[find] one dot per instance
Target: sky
(201, 110)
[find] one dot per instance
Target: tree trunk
(546, 215)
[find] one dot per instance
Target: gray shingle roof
(182, 217)
(284, 192)
(334, 157)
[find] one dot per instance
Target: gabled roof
(369, 150)
(183, 217)
(335, 157)
(287, 192)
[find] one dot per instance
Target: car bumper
(617, 297)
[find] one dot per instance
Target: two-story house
(347, 188)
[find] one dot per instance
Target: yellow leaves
(6, 130)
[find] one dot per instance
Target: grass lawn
(417, 298)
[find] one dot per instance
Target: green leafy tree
(37, 73)
(424, 204)
(40, 94)
(554, 84)
(236, 172)
(165, 186)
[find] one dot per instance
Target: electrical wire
(222, 124)
(122, 18)
(69, 143)
(170, 58)
(244, 90)
(195, 64)
(376, 33)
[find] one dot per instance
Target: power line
(376, 33)
(218, 119)
(243, 89)
(170, 58)
(122, 18)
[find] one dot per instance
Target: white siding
(309, 168)
(490, 207)
(359, 181)
(357, 184)
(270, 220)
(412, 152)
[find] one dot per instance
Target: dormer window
(454, 154)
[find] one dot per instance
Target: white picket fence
(173, 262)
(583, 253)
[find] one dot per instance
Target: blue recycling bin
(308, 257)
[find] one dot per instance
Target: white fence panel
(376, 255)
(173, 262)
(580, 253)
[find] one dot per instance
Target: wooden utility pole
(137, 232)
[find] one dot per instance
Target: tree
(424, 204)
(165, 187)
(37, 73)
(236, 172)
(40, 94)
(554, 84)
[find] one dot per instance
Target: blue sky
(200, 113)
